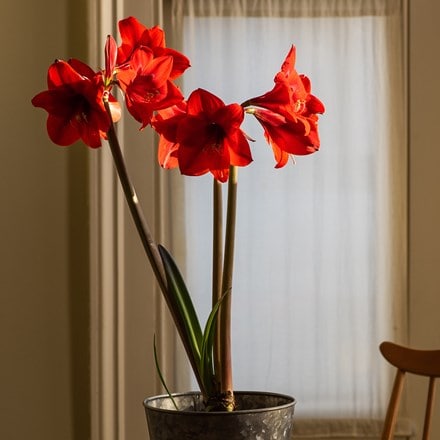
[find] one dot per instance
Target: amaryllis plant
(198, 135)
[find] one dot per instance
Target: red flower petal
(61, 132)
(167, 153)
(60, 73)
(82, 68)
(201, 100)
(180, 61)
(239, 151)
(131, 31)
(155, 37)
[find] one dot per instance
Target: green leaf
(159, 372)
(182, 304)
(207, 371)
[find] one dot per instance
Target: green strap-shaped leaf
(207, 369)
(183, 306)
(159, 372)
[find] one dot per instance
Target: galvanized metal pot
(259, 416)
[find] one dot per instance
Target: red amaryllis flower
(288, 136)
(206, 137)
(288, 113)
(74, 101)
(135, 35)
(147, 85)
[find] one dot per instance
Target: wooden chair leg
(429, 408)
(393, 406)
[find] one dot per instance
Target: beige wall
(38, 337)
(424, 239)
(35, 366)
(43, 281)
(425, 173)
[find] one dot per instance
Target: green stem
(142, 226)
(150, 246)
(217, 266)
(226, 386)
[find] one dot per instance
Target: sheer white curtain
(320, 254)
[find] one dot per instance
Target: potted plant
(198, 135)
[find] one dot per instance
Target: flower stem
(217, 266)
(147, 240)
(226, 386)
(142, 226)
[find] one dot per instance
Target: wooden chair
(408, 360)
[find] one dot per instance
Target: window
(342, 213)
(320, 244)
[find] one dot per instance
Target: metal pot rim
(290, 401)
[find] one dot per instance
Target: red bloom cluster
(142, 67)
(288, 113)
(145, 70)
(199, 135)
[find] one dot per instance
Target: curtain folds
(285, 8)
(320, 275)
